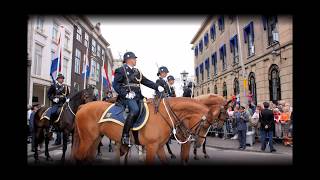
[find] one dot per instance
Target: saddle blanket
(117, 114)
(47, 114)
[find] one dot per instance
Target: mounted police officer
(188, 90)
(171, 92)
(57, 94)
(162, 73)
(126, 83)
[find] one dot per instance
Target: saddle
(55, 117)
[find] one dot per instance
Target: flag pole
(102, 79)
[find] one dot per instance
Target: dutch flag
(106, 81)
(56, 62)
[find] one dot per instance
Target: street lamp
(184, 76)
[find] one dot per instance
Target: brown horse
(173, 113)
(64, 124)
(218, 106)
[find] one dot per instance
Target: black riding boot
(125, 133)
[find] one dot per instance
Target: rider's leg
(133, 113)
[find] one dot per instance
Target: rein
(176, 119)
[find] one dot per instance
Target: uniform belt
(132, 85)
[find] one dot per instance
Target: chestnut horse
(65, 123)
(187, 116)
(218, 106)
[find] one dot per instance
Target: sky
(155, 40)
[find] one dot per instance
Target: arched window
(215, 89)
(236, 87)
(252, 87)
(225, 90)
(274, 83)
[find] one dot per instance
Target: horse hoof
(206, 156)
(49, 159)
(196, 158)
(173, 156)
(99, 154)
(36, 161)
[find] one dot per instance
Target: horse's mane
(77, 94)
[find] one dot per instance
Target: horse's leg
(65, 144)
(204, 149)
(195, 154)
(46, 139)
(185, 148)
(117, 149)
(36, 156)
(110, 146)
(99, 149)
(162, 156)
(151, 152)
(170, 152)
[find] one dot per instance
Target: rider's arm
(51, 92)
(118, 79)
(149, 83)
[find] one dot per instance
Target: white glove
(160, 89)
(130, 95)
(56, 100)
(67, 100)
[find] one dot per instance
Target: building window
(76, 87)
(102, 54)
(207, 65)
(214, 63)
(93, 46)
(249, 38)
(274, 83)
(213, 32)
(37, 59)
(252, 87)
(86, 39)
(98, 51)
(55, 32)
(79, 34)
(215, 89)
(95, 70)
(234, 49)
(221, 23)
(196, 51)
(40, 22)
(77, 61)
(223, 55)
(201, 46)
(206, 39)
(236, 87)
(67, 40)
(65, 68)
(98, 72)
(197, 74)
(208, 90)
(201, 71)
(225, 90)
(270, 24)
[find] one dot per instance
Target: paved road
(217, 157)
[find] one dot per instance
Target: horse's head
(217, 114)
(191, 117)
(87, 95)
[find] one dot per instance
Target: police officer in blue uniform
(162, 73)
(126, 83)
(171, 92)
(57, 94)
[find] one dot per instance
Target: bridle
(190, 133)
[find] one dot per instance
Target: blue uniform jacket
(122, 84)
